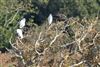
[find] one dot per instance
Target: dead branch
(67, 44)
(60, 65)
(95, 38)
(55, 38)
(20, 55)
(78, 64)
(37, 43)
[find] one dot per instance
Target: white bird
(22, 23)
(50, 18)
(20, 33)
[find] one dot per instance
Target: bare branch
(16, 50)
(37, 43)
(60, 65)
(12, 44)
(55, 38)
(49, 27)
(95, 38)
(20, 40)
(67, 44)
(13, 17)
(77, 64)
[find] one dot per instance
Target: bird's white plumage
(22, 23)
(50, 19)
(20, 33)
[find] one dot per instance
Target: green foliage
(11, 11)
(79, 7)
(10, 14)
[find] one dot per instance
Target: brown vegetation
(52, 46)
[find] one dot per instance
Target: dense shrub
(37, 11)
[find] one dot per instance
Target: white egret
(20, 33)
(22, 23)
(50, 18)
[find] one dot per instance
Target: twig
(20, 40)
(84, 35)
(13, 17)
(98, 63)
(21, 57)
(95, 38)
(49, 27)
(60, 65)
(12, 44)
(67, 44)
(12, 51)
(37, 43)
(77, 64)
(55, 38)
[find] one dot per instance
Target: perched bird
(20, 33)
(50, 18)
(22, 23)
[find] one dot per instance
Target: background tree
(37, 11)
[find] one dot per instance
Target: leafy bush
(36, 11)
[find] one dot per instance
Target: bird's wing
(22, 23)
(50, 19)
(20, 33)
